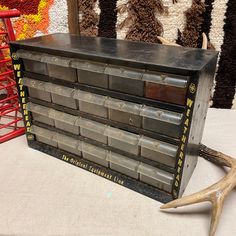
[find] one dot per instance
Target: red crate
(11, 122)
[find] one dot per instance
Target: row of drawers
(167, 88)
(134, 169)
(135, 144)
(138, 115)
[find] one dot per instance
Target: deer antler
(204, 41)
(216, 193)
(167, 42)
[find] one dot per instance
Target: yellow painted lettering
(185, 129)
(17, 67)
(177, 177)
(189, 102)
(18, 74)
(188, 112)
(178, 170)
(180, 162)
(186, 122)
(181, 154)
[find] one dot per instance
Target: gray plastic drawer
(124, 106)
(46, 140)
(42, 119)
(39, 94)
(31, 55)
(126, 118)
(93, 130)
(88, 65)
(156, 177)
(35, 67)
(123, 140)
(93, 109)
(65, 121)
(69, 144)
(126, 147)
(67, 127)
(91, 103)
(124, 72)
(159, 157)
(62, 73)
(40, 113)
(124, 165)
(162, 121)
(64, 101)
(169, 129)
(37, 89)
(44, 136)
(125, 85)
(124, 112)
(92, 78)
(63, 96)
(95, 159)
(95, 154)
(158, 151)
(93, 135)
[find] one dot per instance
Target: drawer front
(42, 119)
(35, 67)
(126, 85)
(130, 148)
(64, 101)
(93, 135)
(166, 93)
(161, 127)
(39, 94)
(62, 73)
(93, 109)
(95, 159)
(125, 117)
(92, 78)
(67, 127)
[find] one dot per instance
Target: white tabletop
(40, 195)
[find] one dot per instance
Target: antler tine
(167, 42)
(217, 157)
(198, 197)
(204, 41)
(215, 217)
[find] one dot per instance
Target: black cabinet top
(149, 56)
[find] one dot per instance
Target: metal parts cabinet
(130, 112)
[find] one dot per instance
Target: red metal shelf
(11, 121)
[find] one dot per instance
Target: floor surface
(41, 195)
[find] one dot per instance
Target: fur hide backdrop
(179, 21)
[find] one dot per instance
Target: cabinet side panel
(201, 105)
